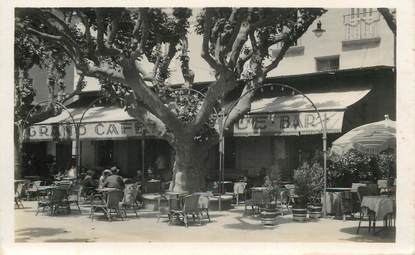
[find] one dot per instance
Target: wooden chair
(190, 207)
(109, 205)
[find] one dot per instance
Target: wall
(40, 83)
(253, 153)
(330, 43)
(88, 154)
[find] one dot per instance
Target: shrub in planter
(309, 184)
(353, 166)
(387, 164)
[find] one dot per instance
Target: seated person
(103, 177)
(114, 181)
(88, 183)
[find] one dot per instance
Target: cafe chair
(163, 204)
(56, 199)
(33, 190)
(256, 202)
(130, 199)
(190, 207)
(18, 195)
(239, 189)
(73, 197)
(283, 201)
(109, 205)
(366, 214)
(204, 206)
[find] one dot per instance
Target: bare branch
(278, 58)
(77, 90)
(143, 24)
(205, 44)
(217, 90)
(240, 40)
(188, 74)
(151, 101)
(241, 62)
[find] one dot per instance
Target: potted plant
(309, 183)
(270, 212)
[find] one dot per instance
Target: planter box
(299, 214)
(269, 216)
(314, 211)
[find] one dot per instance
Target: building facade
(348, 71)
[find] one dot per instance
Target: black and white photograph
(186, 125)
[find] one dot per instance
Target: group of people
(110, 178)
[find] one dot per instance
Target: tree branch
(143, 24)
(389, 18)
(151, 101)
(78, 89)
(277, 59)
(188, 74)
(216, 91)
(240, 40)
(206, 38)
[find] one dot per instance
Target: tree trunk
(18, 144)
(190, 166)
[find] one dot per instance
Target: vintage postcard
(183, 127)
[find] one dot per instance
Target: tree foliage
(117, 45)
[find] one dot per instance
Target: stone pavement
(226, 226)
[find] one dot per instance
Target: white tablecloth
(381, 205)
(239, 187)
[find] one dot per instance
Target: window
(327, 63)
(361, 23)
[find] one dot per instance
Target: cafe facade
(281, 132)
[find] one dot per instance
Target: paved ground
(226, 226)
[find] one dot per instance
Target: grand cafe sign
(282, 124)
(99, 130)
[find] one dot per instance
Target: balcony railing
(363, 25)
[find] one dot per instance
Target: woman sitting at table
(103, 177)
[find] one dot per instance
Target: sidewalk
(226, 226)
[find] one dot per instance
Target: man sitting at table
(114, 181)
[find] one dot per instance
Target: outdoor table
(259, 188)
(44, 188)
(176, 199)
(227, 186)
(336, 189)
(380, 205)
(106, 189)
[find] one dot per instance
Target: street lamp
(319, 31)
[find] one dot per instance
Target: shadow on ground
(70, 240)
(25, 234)
(382, 235)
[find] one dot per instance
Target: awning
(109, 122)
(295, 115)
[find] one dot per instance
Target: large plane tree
(116, 46)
